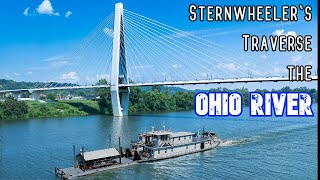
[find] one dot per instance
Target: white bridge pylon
(119, 96)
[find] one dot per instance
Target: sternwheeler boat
(163, 144)
(150, 146)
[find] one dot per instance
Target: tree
(105, 100)
(285, 89)
(1, 115)
(156, 88)
(43, 108)
(51, 96)
(102, 82)
(105, 106)
(103, 92)
(13, 109)
(25, 95)
(81, 93)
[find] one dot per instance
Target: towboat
(150, 146)
(163, 144)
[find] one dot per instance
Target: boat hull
(169, 156)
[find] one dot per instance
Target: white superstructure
(162, 144)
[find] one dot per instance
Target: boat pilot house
(97, 159)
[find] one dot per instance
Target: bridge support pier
(15, 95)
(120, 101)
(35, 95)
(119, 96)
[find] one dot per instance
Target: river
(252, 147)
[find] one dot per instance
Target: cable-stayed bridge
(131, 50)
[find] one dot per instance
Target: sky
(37, 31)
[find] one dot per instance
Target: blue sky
(36, 30)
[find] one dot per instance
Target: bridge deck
(194, 82)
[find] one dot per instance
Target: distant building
(91, 97)
(77, 98)
(25, 99)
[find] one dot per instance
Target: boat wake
(236, 142)
(268, 134)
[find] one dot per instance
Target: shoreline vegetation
(155, 99)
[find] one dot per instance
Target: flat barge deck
(72, 172)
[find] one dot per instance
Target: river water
(252, 148)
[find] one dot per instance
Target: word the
(218, 104)
(293, 104)
(280, 43)
(250, 13)
(299, 73)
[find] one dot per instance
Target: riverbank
(63, 108)
(12, 109)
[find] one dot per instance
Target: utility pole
(74, 157)
(83, 161)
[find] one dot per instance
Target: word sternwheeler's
(150, 146)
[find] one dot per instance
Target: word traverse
(280, 43)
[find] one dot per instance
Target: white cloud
(46, 8)
(229, 66)
(295, 59)
(264, 56)
(181, 34)
(70, 76)
(55, 64)
(204, 33)
(68, 14)
(54, 58)
(279, 32)
(16, 74)
(28, 73)
(278, 71)
(108, 32)
(246, 63)
(141, 67)
(175, 66)
(26, 11)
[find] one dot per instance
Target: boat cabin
(165, 138)
(97, 159)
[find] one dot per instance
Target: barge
(150, 146)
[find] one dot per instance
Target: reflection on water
(282, 148)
